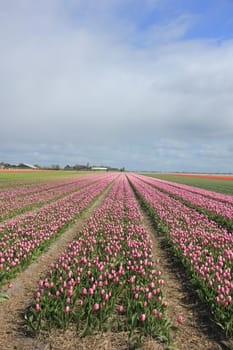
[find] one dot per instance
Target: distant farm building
(26, 166)
(99, 168)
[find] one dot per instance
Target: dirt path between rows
(12, 327)
(197, 332)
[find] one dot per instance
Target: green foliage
(3, 297)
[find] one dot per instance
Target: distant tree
(68, 167)
(78, 167)
(37, 166)
(55, 166)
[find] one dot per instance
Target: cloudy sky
(145, 84)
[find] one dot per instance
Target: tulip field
(213, 183)
(108, 278)
(204, 247)
(218, 206)
(13, 202)
(25, 237)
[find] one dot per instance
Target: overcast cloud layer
(143, 84)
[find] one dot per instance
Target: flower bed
(207, 193)
(204, 248)
(21, 239)
(18, 201)
(216, 208)
(106, 278)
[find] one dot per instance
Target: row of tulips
(207, 193)
(20, 185)
(204, 248)
(23, 238)
(220, 211)
(106, 278)
(24, 188)
(14, 203)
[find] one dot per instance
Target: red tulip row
(107, 277)
(204, 248)
(23, 238)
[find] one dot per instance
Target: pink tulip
(84, 291)
(180, 319)
(121, 309)
(96, 307)
(67, 309)
(143, 317)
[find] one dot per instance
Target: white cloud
(74, 80)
